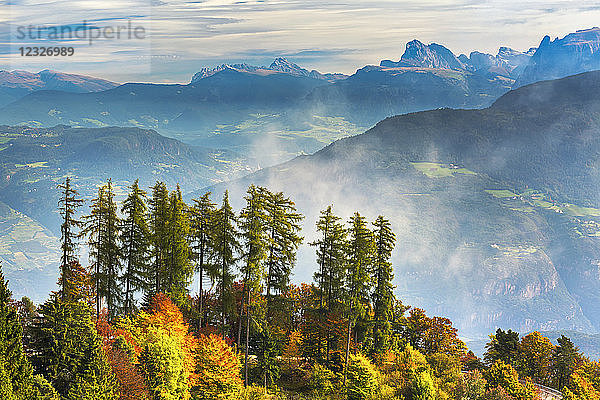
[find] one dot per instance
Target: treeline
(128, 327)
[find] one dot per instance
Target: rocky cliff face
(575, 53)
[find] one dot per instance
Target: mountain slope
(496, 210)
(34, 160)
(16, 84)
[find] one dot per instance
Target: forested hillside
(128, 327)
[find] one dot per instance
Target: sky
(176, 38)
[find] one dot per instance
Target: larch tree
(331, 258)
(135, 246)
(360, 256)
(252, 226)
(282, 229)
(67, 206)
(111, 252)
(383, 295)
(93, 229)
(202, 217)
(159, 234)
(227, 247)
(178, 266)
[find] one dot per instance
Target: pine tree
(69, 352)
(102, 229)
(252, 224)
(282, 227)
(159, 223)
(202, 215)
(135, 246)
(178, 267)
(331, 257)
(16, 376)
(383, 296)
(93, 228)
(67, 205)
(227, 246)
(360, 251)
(565, 359)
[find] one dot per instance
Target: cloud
(333, 36)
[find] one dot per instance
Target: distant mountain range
(16, 84)
(296, 110)
(496, 210)
(280, 65)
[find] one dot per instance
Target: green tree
(68, 351)
(135, 246)
(159, 224)
(331, 257)
(505, 376)
(565, 359)
(362, 378)
(383, 295)
(102, 229)
(360, 252)
(252, 226)
(282, 227)
(227, 246)
(163, 366)
(16, 375)
(202, 215)
(503, 346)
(178, 266)
(67, 206)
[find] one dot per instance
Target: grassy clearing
(502, 193)
(438, 170)
(518, 251)
(39, 164)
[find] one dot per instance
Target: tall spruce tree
(252, 225)
(331, 257)
(360, 252)
(202, 217)
(93, 228)
(69, 351)
(178, 269)
(102, 228)
(159, 233)
(383, 295)
(227, 247)
(282, 227)
(135, 246)
(67, 206)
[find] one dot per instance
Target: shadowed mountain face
(497, 211)
(575, 53)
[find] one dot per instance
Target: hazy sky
(180, 37)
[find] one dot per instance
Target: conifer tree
(68, 204)
(135, 246)
(159, 223)
(252, 225)
(282, 227)
(383, 296)
(331, 257)
(16, 376)
(178, 267)
(565, 359)
(360, 252)
(102, 229)
(93, 228)
(227, 246)
(111, 252)
(69, 351)
(202, 216)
